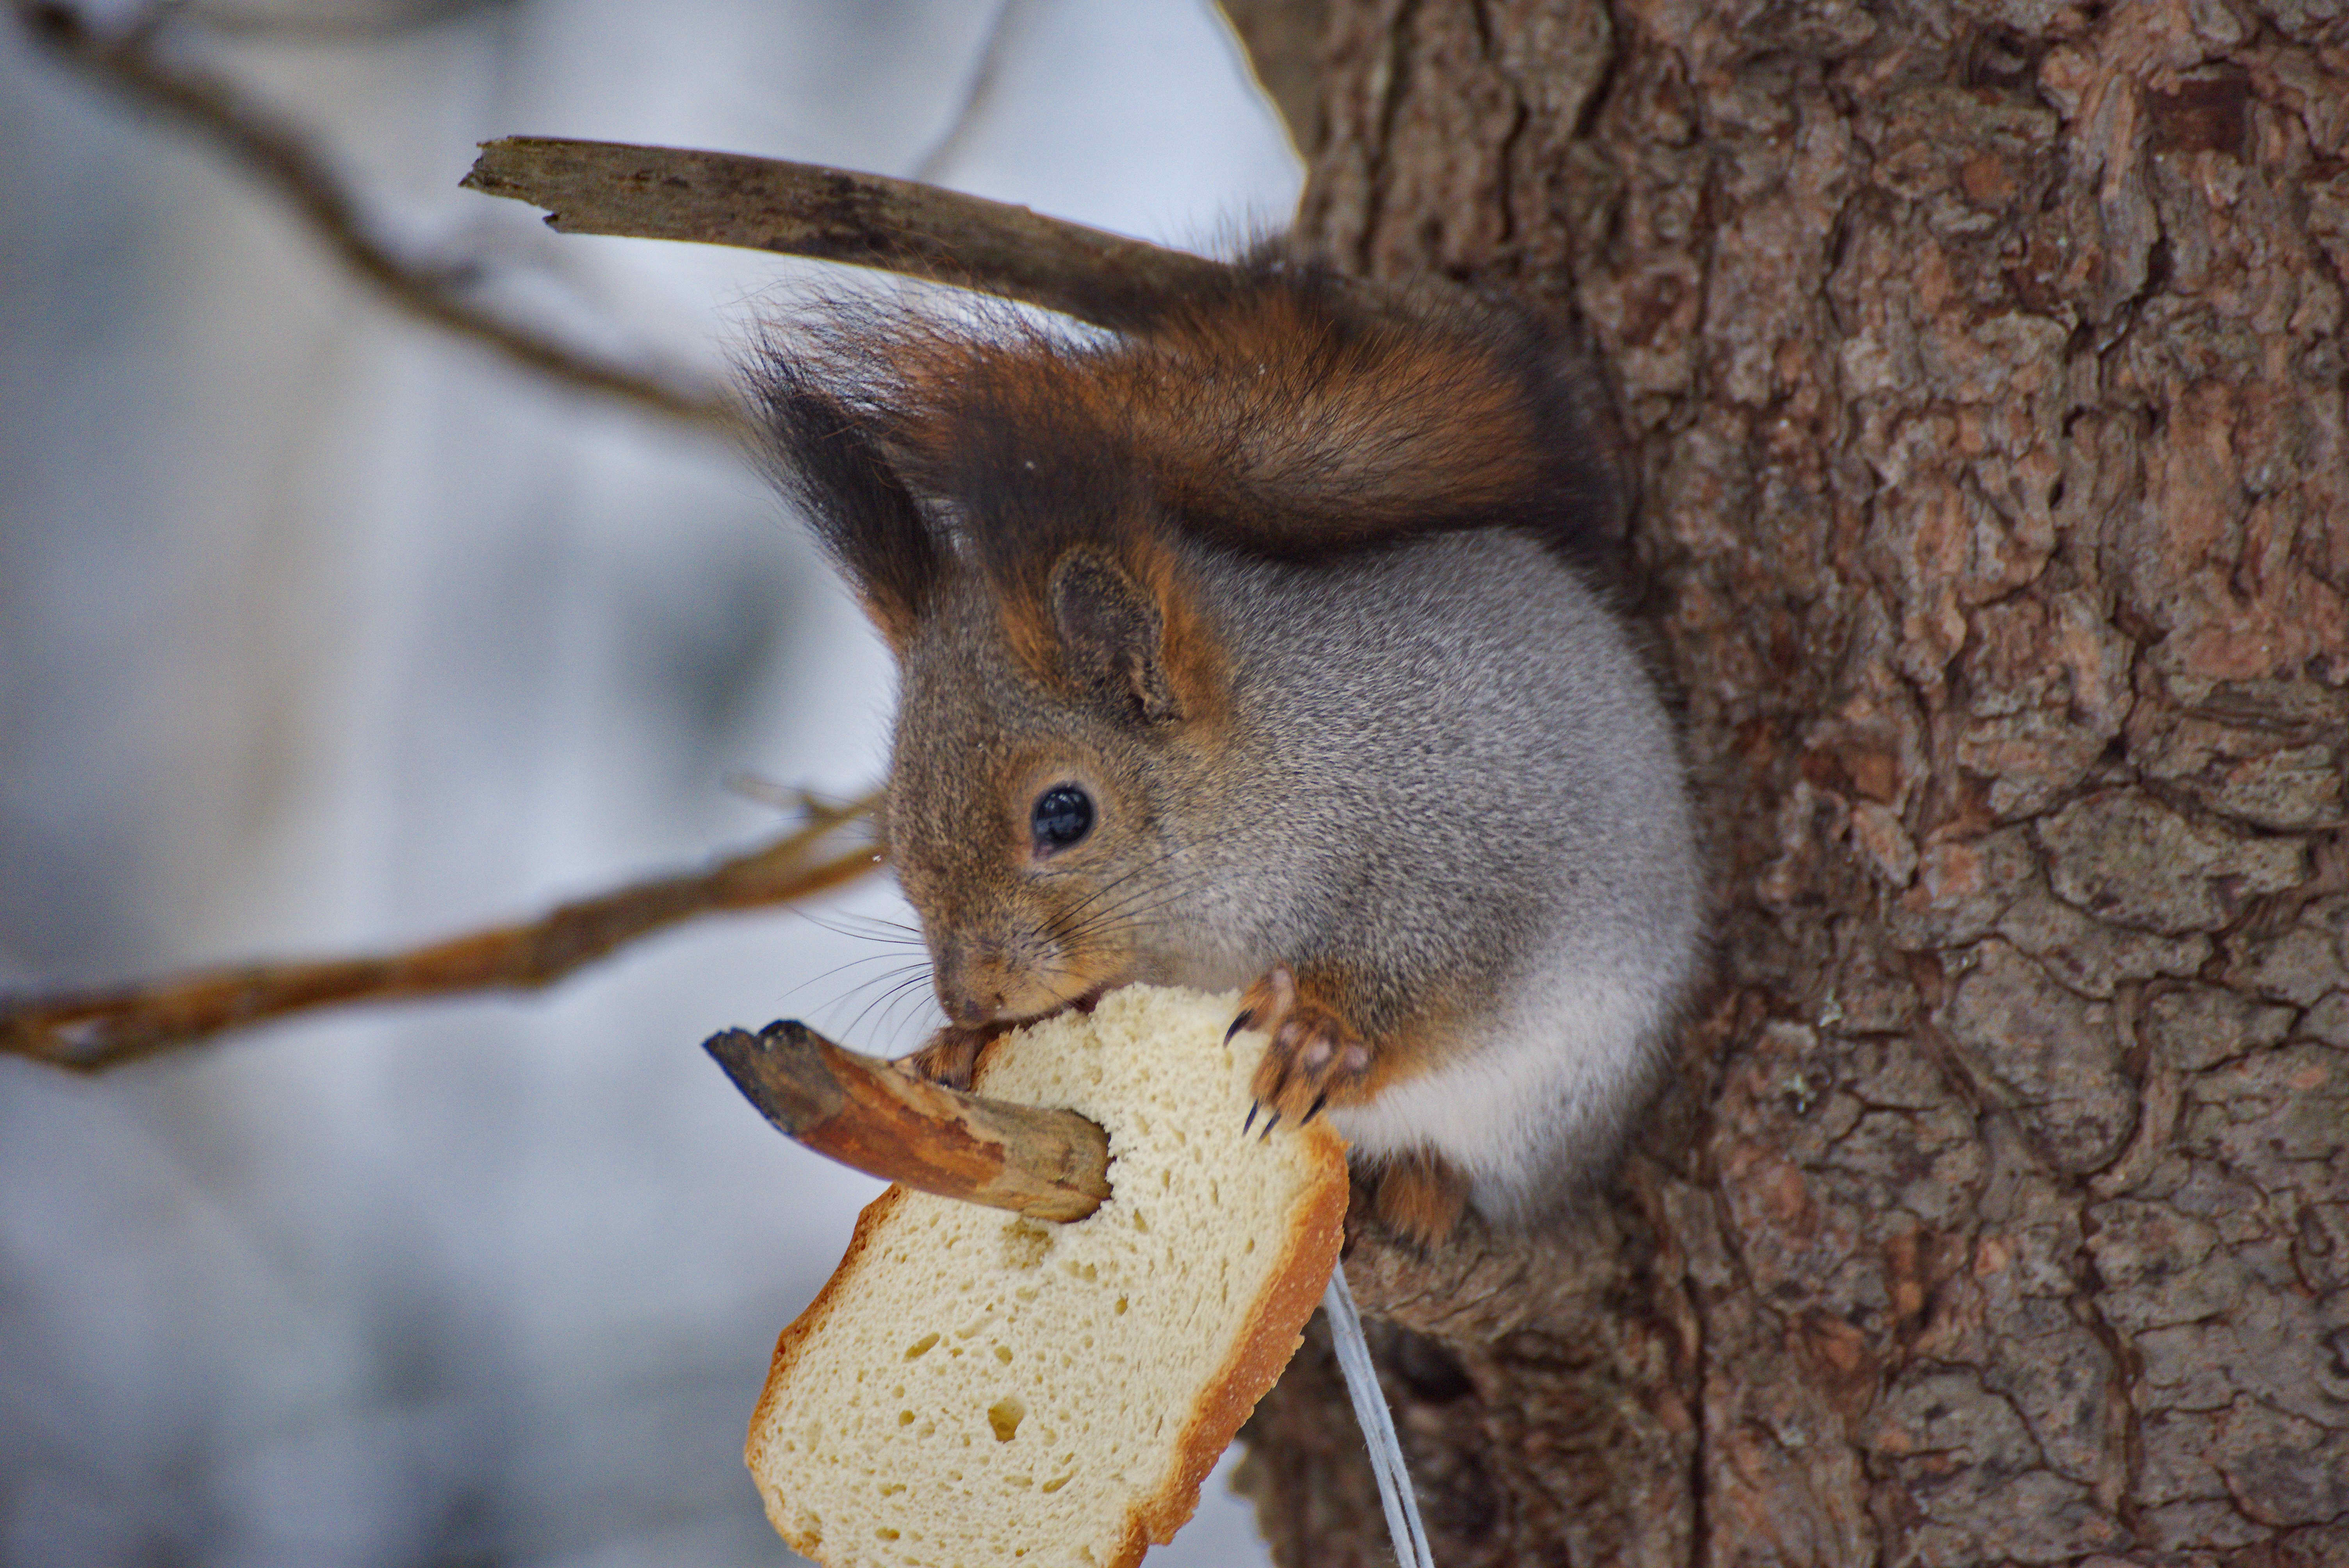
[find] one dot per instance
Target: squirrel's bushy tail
(1283, 412)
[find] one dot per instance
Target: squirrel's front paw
(1313, 1058)
(951, 1056)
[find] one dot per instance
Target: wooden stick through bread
(879, 1119)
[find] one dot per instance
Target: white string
(1378, 1425)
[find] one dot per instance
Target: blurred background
(321, 631)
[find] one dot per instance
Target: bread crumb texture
(974, 1388)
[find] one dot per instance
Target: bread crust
(794, 1338)
(1276, 1328)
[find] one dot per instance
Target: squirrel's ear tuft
(824, 458)
(1112, 636)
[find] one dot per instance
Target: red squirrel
(1250, 646)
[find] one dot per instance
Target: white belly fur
(1542, 1095)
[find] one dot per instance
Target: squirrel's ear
(822, 457)
(1113, 635)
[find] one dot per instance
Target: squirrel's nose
(967, 1009)
(970, 992)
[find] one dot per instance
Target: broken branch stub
(839, 215)
(876, 1118)
(135, 62)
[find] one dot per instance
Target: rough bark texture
(1980, 373)
(1282, 41)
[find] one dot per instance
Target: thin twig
(838, 215)
(309, 23)
(92, 1031)
(993, 55)
(285, 161)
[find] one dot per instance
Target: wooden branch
(365, 22)
(93, 1031)
(836, 215)
(281, 159)
(874, 1116)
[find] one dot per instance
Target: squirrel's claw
(951, 1056)
(1314, 1059)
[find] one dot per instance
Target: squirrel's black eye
(1063, 814)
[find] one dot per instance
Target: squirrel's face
(1029, 787)
(1019, 830)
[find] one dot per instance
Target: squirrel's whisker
(878, 991)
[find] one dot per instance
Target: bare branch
(283, 160)
(977, 93)
(93, 1031)
(837, 215)
(874, 1116)
(307, 21)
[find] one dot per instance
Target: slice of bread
(977, 1388)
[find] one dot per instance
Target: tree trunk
(1979, 375)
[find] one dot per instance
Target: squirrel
(1252, 645)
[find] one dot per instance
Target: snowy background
(320, 631)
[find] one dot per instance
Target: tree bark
(1977, 373)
